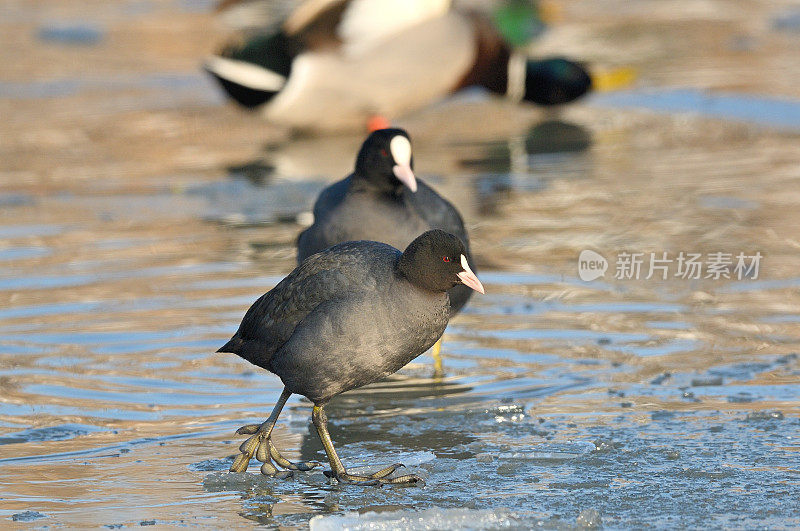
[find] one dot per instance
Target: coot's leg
(339, 472)
(436, 352)
(260, 444)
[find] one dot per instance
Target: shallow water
(129, 253)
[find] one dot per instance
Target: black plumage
(343, 318)
(346, 317)
(373, 204)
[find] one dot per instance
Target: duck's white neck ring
(515, 89)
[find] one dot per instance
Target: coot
(382, 200)
(346, 317)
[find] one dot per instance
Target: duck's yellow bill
(613, 79)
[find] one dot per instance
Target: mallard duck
(335, 64)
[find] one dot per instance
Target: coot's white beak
(405, 175)
(401, 153)
(468, 278)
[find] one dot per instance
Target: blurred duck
(337, 64)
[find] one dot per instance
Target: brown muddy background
(140, 216)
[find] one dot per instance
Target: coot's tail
(254, 352)
(234, 346)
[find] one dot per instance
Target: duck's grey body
(342, 88)
(342, 319)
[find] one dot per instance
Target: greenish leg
(436, 352)
(260, 444)
(339, 472)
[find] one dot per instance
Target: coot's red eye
(384, 153)
(446, 258)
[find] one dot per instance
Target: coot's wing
(330, 197)
(313, 239)
(337, 272)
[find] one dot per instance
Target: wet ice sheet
(771, 112)
(129, 254)
(563, 402)
(426, 519)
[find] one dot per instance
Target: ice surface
(51, 433)
(627, 404)
(589, 519)
(457, 518)
(27, 516)
(428, 519)
(233, 481)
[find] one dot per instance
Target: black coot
(346, 317)
(382, 200)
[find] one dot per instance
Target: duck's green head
(518, 21)
(555, 81)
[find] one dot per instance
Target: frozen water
(445, 519)
(429, 519)
(589, 519)
(27, 516)
(235, 481)
(140, 217)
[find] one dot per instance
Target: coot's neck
(377, 184)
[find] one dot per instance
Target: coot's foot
(378, 478)
(376, 475)
(339, 472)
(260, 444)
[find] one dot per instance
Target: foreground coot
(346, 317)
(382, 200)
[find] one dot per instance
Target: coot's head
(436, 260)
(385, 161)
